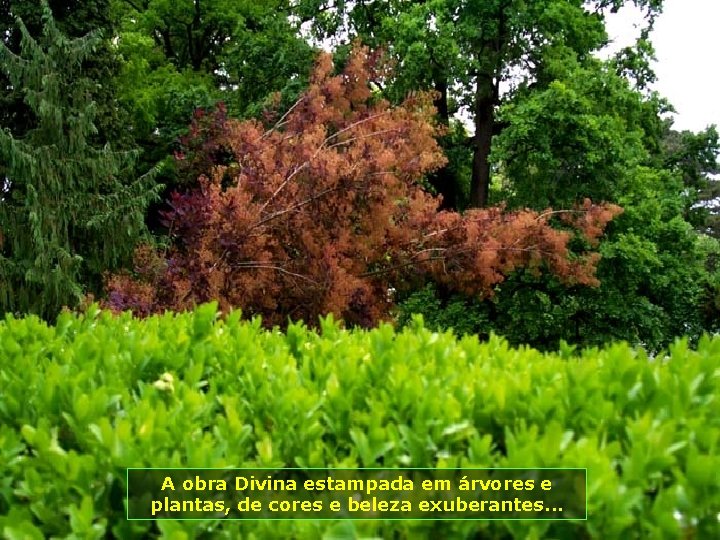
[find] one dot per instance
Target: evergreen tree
(68, 211)
(74, 18)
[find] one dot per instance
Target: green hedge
(83, 400)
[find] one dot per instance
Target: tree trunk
(444, 180)
(441, 102)
(486, 95)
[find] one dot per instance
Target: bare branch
(276, 268)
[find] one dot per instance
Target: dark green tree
(74, 18)
(695, 157)
(475, 54)
(69, 210)
(181, 56)
(240, 51)
(591, 134)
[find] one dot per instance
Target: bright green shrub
(83, 400)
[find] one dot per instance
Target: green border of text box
(127, 491)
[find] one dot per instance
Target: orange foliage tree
(322, 211)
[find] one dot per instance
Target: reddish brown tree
(321, 211)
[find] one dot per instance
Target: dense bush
(322, 210)
(85, 399)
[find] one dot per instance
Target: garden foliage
(94, 394)
(322, 211)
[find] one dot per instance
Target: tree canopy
(322, 211)
(472, 161)
(477, 54)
